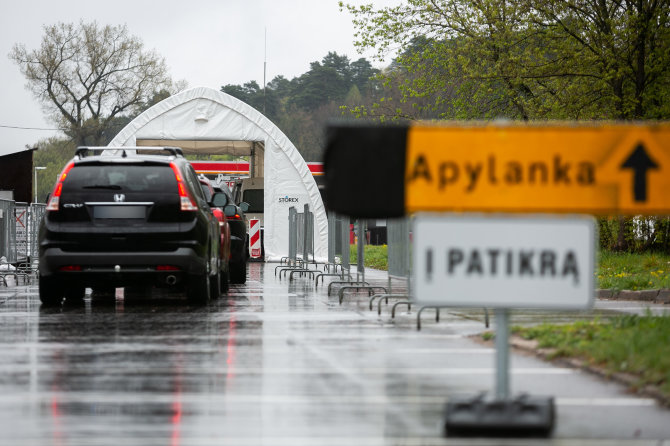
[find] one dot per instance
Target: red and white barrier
(254, 238)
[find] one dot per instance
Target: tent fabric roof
(204, 120)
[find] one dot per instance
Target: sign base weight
(523, 416)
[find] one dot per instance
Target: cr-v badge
(119, 198)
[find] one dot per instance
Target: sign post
(588, 170)
(607, 169)
(462, 260)
(502, 354)
(503, 262)
(540, 262)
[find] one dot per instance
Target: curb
(659, 296)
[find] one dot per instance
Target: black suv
(128, 217)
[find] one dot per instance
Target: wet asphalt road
(277, 363)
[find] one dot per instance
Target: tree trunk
(621, 244)
(641, 54)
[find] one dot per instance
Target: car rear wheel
(51, 291)
(238, 272)
(225, 281)
(214, 286)
(75, 293)
(198, 289)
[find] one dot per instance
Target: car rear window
(255, 199)
(129, 178)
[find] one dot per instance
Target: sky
(205, 42)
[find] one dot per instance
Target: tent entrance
(254, 150)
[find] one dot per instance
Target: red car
(208, 190)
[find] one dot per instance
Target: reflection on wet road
(271, 363)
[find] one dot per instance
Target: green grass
(618, 271)
(637, 345)
(626, 271)
(376, 256)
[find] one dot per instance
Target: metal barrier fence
(399, 260)
(19, 226)
(37, 211)
(305, 234)
(332, 237)
(300, 242)
(338, 248)
(7, 231)
(361, 229)
(292, 236)
(399, 250)
(343, 242)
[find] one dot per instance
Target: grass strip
(375, 256)
(630, 344)
(628, 271)
(615, 270)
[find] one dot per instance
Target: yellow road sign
(605, 169)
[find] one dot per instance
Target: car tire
(224, 281)
(75, 293)
(215, 286)
(198, 289)
(238, 272)
(51, 291)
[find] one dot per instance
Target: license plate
(119, 212)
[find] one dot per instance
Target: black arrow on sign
(640, 162)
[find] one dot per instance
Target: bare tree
(87, 76)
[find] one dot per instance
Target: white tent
(203, 120)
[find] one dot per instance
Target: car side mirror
(219, 200)
(230, 210)
(244, 206)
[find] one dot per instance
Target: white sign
(515, 262)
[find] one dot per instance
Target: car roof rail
(84, 151)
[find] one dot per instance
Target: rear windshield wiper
(103, 186)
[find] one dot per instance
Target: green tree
(281, 86)
(362, 73)
(624, 46)
(88, 76)
(267, 102)
(300, 107)
(531, 59)
(53, 153)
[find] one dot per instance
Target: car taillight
(186, 200)
(167, 268)
(54, 200)
(70, 268)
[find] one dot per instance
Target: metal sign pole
(360, 250)
(502, 353)
(305, 237)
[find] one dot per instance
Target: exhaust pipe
(171, 280)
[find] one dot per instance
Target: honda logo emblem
(119, 198)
